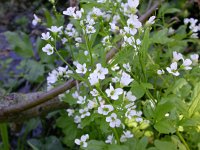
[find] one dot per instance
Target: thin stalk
(103, 95)
(88, 48)
(4, 135)
(70, 47)
(183, 140)
(116, 135)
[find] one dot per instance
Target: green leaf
(148, 109)
(69, 128)
(96, 145)
(20, 43)
(177, 142)
(33, 70)
(137, 89)
(35, 144)
(172, 11)
(162, 108)
(175, 88)
(117, 147)
(195, 105)
(165, 126)
(164, 145)
(142, 144)
(122, 55)
(52, 143)
(160, 37)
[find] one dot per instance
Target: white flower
(106, 40)
(48, 49)
(84, 112)
(100, 71)
(82, 142)
(97, 11)
(115, 67)
(115, 79)
(78, 14)
(55, 29)
(113, 121)
(125, 79)
(105, 109)
(92, 104)
(151, 20)
(186, 64)
(77, 119)
(177, 56)
(133, 3)
(171, 31)
(194, 58)
(64, 40)
(133, 24)
(160, 72)
(90, 21)
(90, 29)
(52, 77)
(46, 36)
(78, 39)
(81, 100)
(130, 96)
(70, 11)
(94, 92)
(129, 40)
(127, 67)
(101, 1)
(113, 27)
(114, 93)
(173, 69)
(125, 136)
(130, 113)
(86, 53)
(110, 139)
(70, 112)
(75, 95)
(81, 68)
(36, 20)
(93, 78)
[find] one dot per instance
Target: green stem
(4, 135)
(116, 135)
(88, 47)
(70, 47)
(103, 95)
(183, 140)
(143, 69)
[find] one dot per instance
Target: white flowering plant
(135, 86)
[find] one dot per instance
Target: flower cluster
(193, 26)
(185, 65)
(58, 74)
(106, 90)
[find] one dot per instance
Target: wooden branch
(23, 106)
